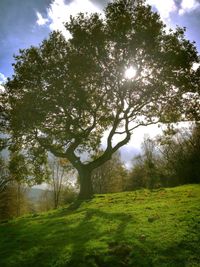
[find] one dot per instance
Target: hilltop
(141, 228)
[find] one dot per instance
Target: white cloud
(40, 19)
(195, 66)
(59, 12)
(165, 8)
(2, 78)
(2, 89)
(188, 6)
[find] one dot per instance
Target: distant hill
(158, 228)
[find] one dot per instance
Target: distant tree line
(13, 198)
(170, 160)
(16, 181)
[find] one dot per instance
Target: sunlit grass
(141, 228)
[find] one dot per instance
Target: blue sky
(27, 22)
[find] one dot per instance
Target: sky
(27, 22)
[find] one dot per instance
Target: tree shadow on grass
(93, 244)
(68, 240)
(81, 237)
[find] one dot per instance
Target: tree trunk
(18, 199)
(86, 190)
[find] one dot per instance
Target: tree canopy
(65, 94)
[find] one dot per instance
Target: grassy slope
(141, 228)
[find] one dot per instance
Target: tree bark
(86, 190)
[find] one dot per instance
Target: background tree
(13, 194)
(61, 172)
(4, 174)
(46, 201)
(111, 176)
(146, 171)
(169, 160)
(180, 154)
(18, 173)
(65, 94)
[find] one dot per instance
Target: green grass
(142, 228)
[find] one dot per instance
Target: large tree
(65, 94)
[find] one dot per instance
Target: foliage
(141, 228)
(13, 187)
(146, 171)
(69, 194)
(17, 167)
(169, 160)
(61, 172)
(181, 156)
(60, 188)
(46, 201)
(65, 94)
(14, 201)
(4, 174)
(111, 176)
(8, 201)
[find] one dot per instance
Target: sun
(130, 72)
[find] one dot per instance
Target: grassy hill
(141, 228)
